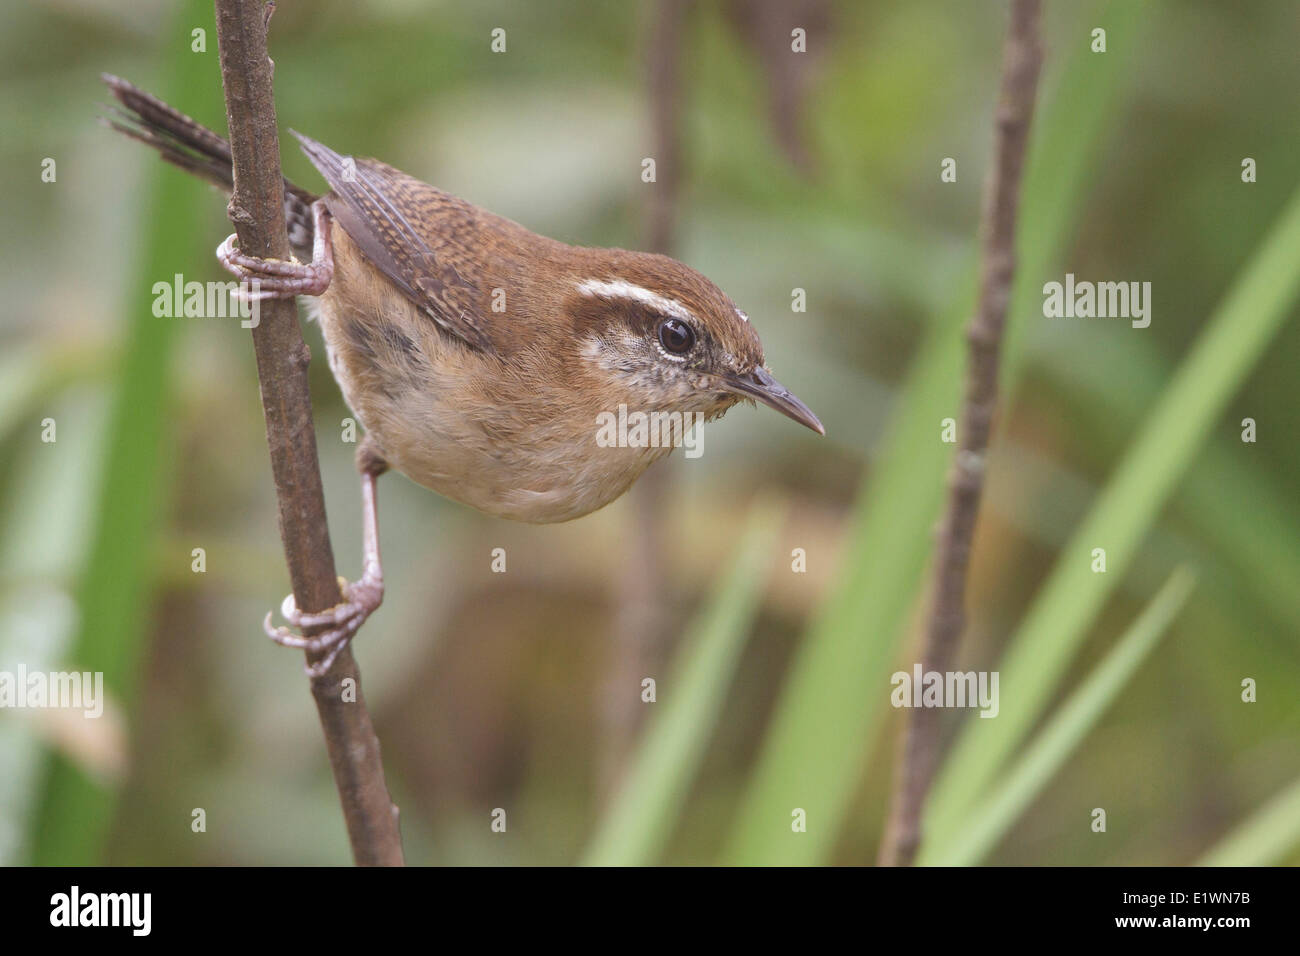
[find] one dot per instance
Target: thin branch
(257, 211)
(1022, 57)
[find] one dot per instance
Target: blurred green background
(817, 171)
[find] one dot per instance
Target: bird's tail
(196, 149)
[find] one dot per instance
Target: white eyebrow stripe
(626, 290)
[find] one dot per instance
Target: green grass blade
(832, 703)
(1064, 732)
(114, 590)
(32, 374)
(1235, 337)
(43, 516)
(1264, 838)
(640, 819)
(1258, 538)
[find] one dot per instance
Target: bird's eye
(676, 336)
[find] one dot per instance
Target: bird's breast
(502, 437)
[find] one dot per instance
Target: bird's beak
(759, 384)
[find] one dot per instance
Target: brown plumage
(480, 357)
(477, 354)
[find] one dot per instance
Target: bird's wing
(376, 208)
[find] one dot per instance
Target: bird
(478, 356)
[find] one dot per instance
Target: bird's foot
(272, 278)
(360, 599)
(278, 278)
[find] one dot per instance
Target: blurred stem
(1022, 59)
(641, 626)
(665, 90)
(257, 210)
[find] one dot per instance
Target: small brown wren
(478, 355)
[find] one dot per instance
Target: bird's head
(668, 339)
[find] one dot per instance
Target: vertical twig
(257, 211)
(1021, 59)
(640, 627)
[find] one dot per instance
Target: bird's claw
(272, 278)
(278, 278)
(360, 599)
